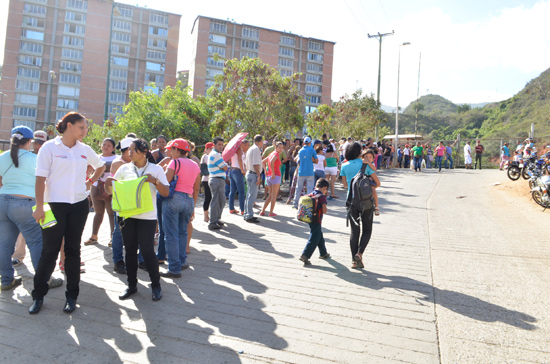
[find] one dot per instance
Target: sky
(468, 51)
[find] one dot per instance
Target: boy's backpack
(307, 209)
(359, 194)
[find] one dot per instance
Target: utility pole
(379, 36)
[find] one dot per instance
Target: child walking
(316, 238)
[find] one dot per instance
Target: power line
(387, 17)
(368, 16)
(355, 17)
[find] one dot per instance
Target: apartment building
(82, 55)
(287, 52)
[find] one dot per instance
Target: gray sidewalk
(447, 279)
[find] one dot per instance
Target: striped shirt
(215, 165)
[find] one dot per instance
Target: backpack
(307, 209)
(172, 186)
(359, 194)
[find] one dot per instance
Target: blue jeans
(316, 239)
(251, 194)
(417, 163)
(449, 158)
(16, 217)
(428, 162)
(237, 185)
(438, 161)
(176, 213)
(117, 242)
(310, 181)
(318, 174)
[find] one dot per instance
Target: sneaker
(16, 282)
(15, 262)
(184, 266)
(326, 256)
(233, 212)
(305, 259)
(120, 267)
(55, 283)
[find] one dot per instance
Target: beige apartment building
(61, 55)
(289, 53)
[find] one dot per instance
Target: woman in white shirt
(139, 230)
(61, 182)
(319, 167)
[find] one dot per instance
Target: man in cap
(306, 157)
(39, 137)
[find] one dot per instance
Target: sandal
(376, 211)
(262, 213)
(90, 241)
(272, 214)
(334, 196)
(358, 259)
(353, 264)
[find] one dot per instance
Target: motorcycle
(514, 170)
(539, 192)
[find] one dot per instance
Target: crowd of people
(64, 178)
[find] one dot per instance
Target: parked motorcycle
(539, 192)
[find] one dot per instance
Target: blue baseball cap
(25, 131)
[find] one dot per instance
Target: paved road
(447, 280)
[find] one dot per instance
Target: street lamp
(2, 105)
(114, 11)
(51, 77)
(397, 106)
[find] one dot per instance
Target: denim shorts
(273, 180)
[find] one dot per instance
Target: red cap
(179, 144)
(209, 145)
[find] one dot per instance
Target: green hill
(432, 105)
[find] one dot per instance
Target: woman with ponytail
(17, 197)
(61, 182)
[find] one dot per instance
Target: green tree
(356, 115)
(463, 108)
(320, 121)
(252, 96)
(173, 113)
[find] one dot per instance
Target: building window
(28, 72)
(315, 46)
(313, 99)
(30, 60)
(117, 85)
(218, 26)
(153, 66)
(312, 67)
(73, 41)
(60, 114)
(157, 43)
(314, 89)
(68, 91)
(212, 62)
(119, 73)
(71, 53)
(115, 109)
(30, 21)
(291, 41)
(285, 73)
(69, 78)
(314, 78)
(34, 9)
(249, 44)
(28, 123)
(315, 57)
(153, 77)
(163, 32)
(209, 83)
(67, 104)
(120, 48)
(218, 50)
(122, 25)
(285, 62)
(71, 66)
(77, 4)
(120, 61)
(251, 33)
(156, 55)
(24, 111)
(26, 99)
(288, 52)
(249, 55)
(117, 97)
(121, 37)
(125, 11)
(159, 18)
(32, 34)
(74, 28)
(220, 39)
(211, 73)
(30, 47)
(74, 16)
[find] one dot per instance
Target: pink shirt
(440, 150)
(187, 175)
